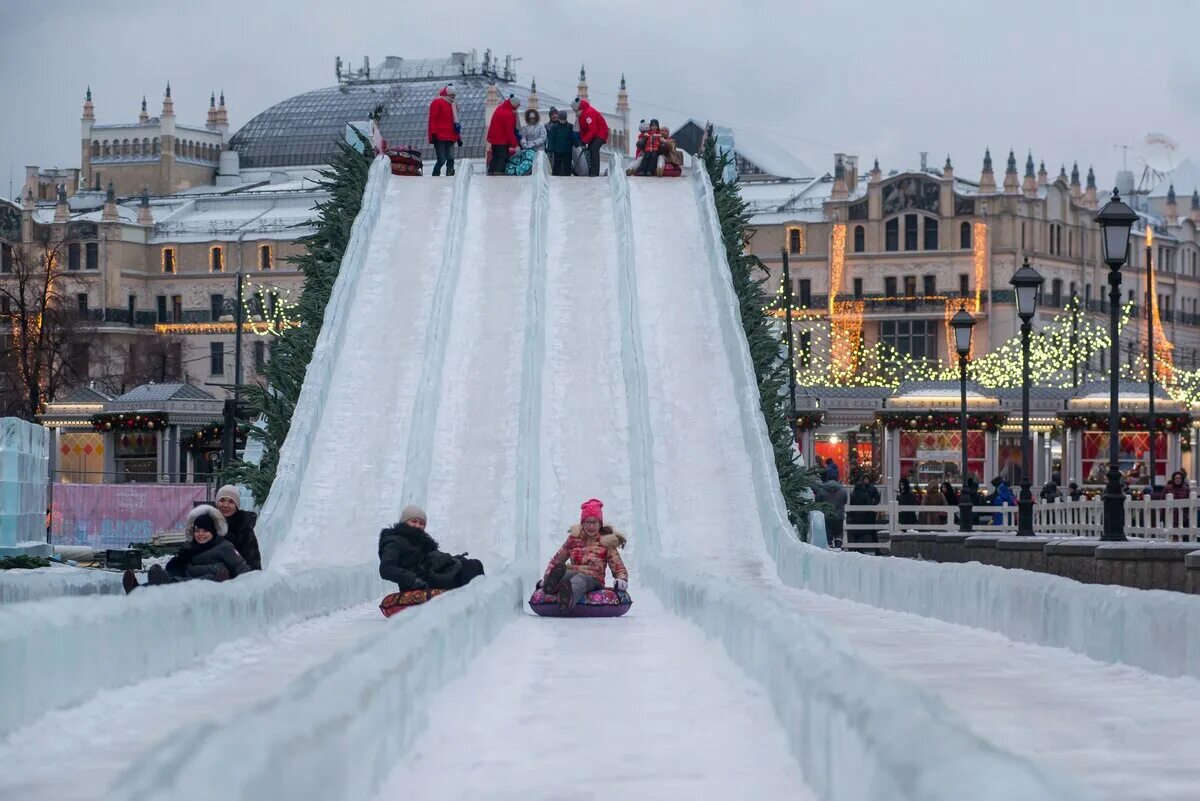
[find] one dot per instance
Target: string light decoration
(979, 242)
(807, 421)
(210, 436)
(276, 318)
(1164, 364)
(248, 327)
(837, 263)
(846, 336)
(952, 307)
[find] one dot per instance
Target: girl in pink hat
(591, 548)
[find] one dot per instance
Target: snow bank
(57, 652)
(55, 581)
(276, 517)
(337, 730)
(858, 734)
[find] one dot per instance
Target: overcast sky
(1069, 80)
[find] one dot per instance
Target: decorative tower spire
(1196, 206)
(1172, 214)
(89, 111)
(581, 91)
(1011, 184)
(987, 180)
(30, 204)
(1089, 196)
(623, 136)
(211, 121)
(168, 107)
(1029, 186)
(1062, 173)
(1076, 188)
(222, 114)
(840, 189)
(144, 215)
(947, 168)
(143, 115)
(532, 102)
(1043, 177)
(110, 205)
(62, 212)
(876, 173)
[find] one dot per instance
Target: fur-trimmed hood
(416, 537)
(189, 529)
(609, 536)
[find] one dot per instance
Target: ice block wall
(24, 461)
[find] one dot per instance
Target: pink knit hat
(592, 508)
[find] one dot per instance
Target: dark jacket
(833, 493)
(906, 497)
(241, 534)
(863, 495)
(558, 137)
(411, 558)
(196, 561)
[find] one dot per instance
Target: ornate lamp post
(1116, 221)
(1026, 282)
(962, 323)
(791, 347)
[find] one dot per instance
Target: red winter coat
(441, 119)
(592, 124)
(591, 556)
(503, 128)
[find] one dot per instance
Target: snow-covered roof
(148, 393)
(264, 215)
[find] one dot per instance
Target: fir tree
(346, 180)
(749, 275)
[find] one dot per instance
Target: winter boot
(566, 595)
(129, 581)
(553, 579)
(157, 575)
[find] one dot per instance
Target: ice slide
(611, 369)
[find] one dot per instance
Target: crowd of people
(513, 146)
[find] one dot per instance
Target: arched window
(125, 148)
(216, 259)
(155, 145)
(95, 148)
(860, 239)
(892, 234)
(1071, 243)
(137, 147)
(1056, 293)
(931, 234)
(964, 236)
(1058, 239)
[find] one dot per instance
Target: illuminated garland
(846, 336)
(837, 263)
(807, 421)
(1164, 364)
(135, 421)
(979, 242)
(1098, 421)
(284, 316)
(941, 421)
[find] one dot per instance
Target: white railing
(1168, 520)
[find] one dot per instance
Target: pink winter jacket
(591, 556)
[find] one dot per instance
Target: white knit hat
(413, 511)
(231, 492)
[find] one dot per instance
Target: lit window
(796, 241)
(216, 261)
(168, 260)
(266, 259)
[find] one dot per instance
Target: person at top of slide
(444, 128)
(591, 548)
(593, 132)
(502, 134)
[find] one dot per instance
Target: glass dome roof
(305, 129)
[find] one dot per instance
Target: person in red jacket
(593, 132)
(444, 129)
(591, 548)
(502, 134)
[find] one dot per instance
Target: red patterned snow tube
(399, 601)
(597, 603)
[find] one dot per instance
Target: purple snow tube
(606, 602)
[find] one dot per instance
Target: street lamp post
(962, 323)
(1026, 282)
(1153, 308)
(1116, 221)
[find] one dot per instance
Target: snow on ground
(77, 753)
(473, 459)
(351, 486)
(640, 707)
(1128, 734)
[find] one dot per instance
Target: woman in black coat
(906, 497)
(410, 557)
(241, 525)
(205, 555)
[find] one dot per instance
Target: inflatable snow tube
(605, 602)
(399, 601)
